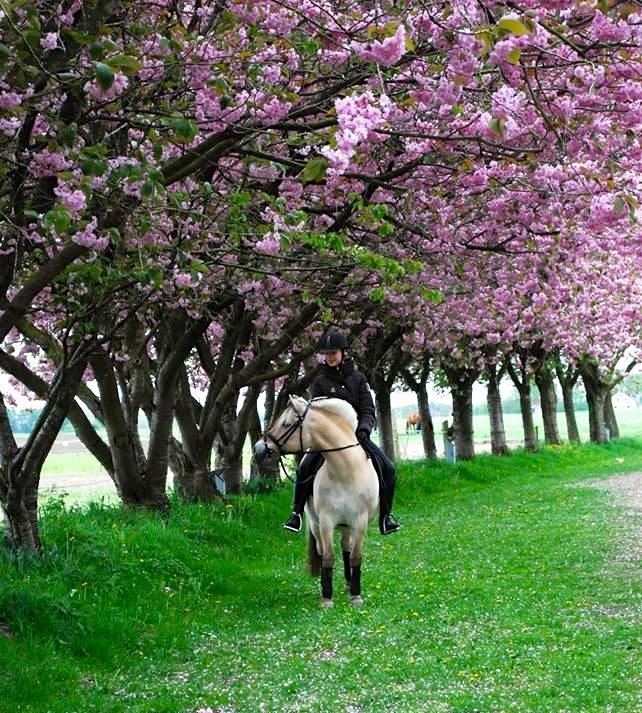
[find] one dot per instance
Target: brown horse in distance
(413, 422)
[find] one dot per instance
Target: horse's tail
(314, 558)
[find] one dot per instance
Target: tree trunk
(190, 460)
(596, 393)
(267, 470)
(569, 412)
(129, 471)
(548, 401)
(427, 427)
(384, 419)
(20, 508)
(462, 395)
(20, 467)
(498, 443)
(596, 398)
(609, 417)
(522, 383)
(526, 407)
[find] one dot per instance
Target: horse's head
(286, 433)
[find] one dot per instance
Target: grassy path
(503, 592)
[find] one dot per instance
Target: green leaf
(514, 26)
(377, 295)
(514, 55)
(62, 221)
(184, 129)
(32, 37)
(198, 266)
(104, 76)
(315, 170)
(497, 125)
(96, 50)
(127, 64)
(82, 38)
(433, 296)
(5, 51)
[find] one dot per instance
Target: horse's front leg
(358, 534)
(326, 529)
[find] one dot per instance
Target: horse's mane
(338, 406)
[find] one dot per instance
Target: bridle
(280, 442)
(291, 429)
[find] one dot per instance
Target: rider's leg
(387, 482)
(309, 465)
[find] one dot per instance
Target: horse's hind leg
(346, 549)
(355, 563)
(327, 562)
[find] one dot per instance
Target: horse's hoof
(356, 600)
(326, 604)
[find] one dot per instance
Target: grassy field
(501, 593)
(83, 463)
(629, 421)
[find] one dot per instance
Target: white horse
(346, 488)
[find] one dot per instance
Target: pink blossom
(9, 126)
(270, 244)
(385, 53)
(48, 163)
(118, 87)
(49, 41)
(88, 238)
(9, 100)
(73, 200)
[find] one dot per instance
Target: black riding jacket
(346, 382)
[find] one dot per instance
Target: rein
(278, 442)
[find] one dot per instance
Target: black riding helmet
(331, 341)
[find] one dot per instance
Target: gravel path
(626, 492)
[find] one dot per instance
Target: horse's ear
(298, 403)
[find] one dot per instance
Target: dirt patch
(626, 493)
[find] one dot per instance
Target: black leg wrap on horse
(346, 566)
(355, 581)
(326, 582)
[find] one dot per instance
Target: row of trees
(191, 194)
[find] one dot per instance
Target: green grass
(502, 593)
(629, 421)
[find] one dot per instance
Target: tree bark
(266, 470)
(427, 426)
(462, 396)
(418, 384)
(609, 417)
(522, 383)
(384, 418)
(548, 401)
(498, 443)
(596, 392)
(128, 470)
(461, 380)
(567, 379)
(21, 467)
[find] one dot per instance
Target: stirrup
(293, 523)
(389, 525)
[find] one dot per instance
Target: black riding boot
(303, 489)
(387, 522)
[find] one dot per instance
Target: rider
(340, 379)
